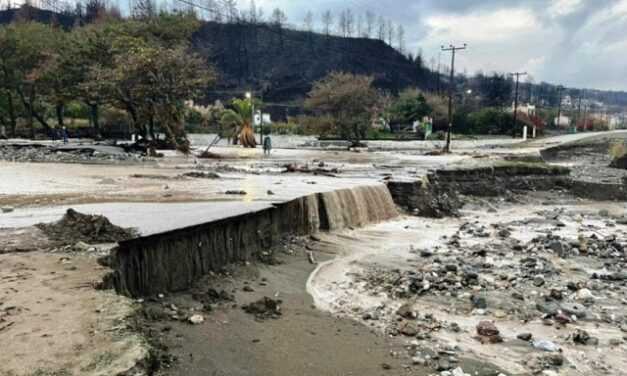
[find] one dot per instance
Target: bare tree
(213, 9)
(309, 21)
(341, 24)
(390, 30)
(400, 35)
(278, 18)
(370, 21)
(253, 13)
(327, 21)
(360, 26)
(230, 9)
(381, 29)
(350, 23)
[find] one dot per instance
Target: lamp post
(249, 96)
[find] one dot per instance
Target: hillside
(282, 64)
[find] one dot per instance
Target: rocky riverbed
(534, 287)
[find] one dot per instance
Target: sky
(576, 43)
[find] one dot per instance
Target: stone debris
(196, 319)
(488, 332)
(483, 271)
(201, 175)
(76, 227)
(235, 192)
(79, 154)
(264, 308)
(545, 345)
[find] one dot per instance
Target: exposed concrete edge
(175, 259)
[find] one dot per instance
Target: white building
(562, 122)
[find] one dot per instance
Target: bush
(113, 118)
(316, 126)
(410, 106)
(490, 121)
(618, 150)
(77, 110)
(282, 128)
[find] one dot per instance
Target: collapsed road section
(173, 260)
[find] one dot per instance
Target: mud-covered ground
(546, 269)
(296, 339)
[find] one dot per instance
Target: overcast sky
(578, 43)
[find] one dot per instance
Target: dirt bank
(53, 321)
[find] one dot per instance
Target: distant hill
(281, 64)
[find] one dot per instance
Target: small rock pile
(264, 308)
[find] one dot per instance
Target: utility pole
(453, 49)
(559, 105)
(579, 109)
(517, 74)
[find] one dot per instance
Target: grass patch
(618, 149)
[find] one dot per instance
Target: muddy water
(392, 245)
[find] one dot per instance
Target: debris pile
(41, 153)
(201, 175)
(264, 308)
(76, 227)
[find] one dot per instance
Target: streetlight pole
(249, 96)
(517, 74)
(453, 49)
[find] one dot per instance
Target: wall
(174, 260)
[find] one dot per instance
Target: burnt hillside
(282, 64)
(27, 12)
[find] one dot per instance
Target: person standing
(267, 145)
(64, 134)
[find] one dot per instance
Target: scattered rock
(264, 308)
(525, 336)
(479, 302)
(235, 192)
(196, 319)
(581, 337)
(488, 332)
(545, 345)
(407, 311)
(201, 175)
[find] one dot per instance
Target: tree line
(142, 67)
